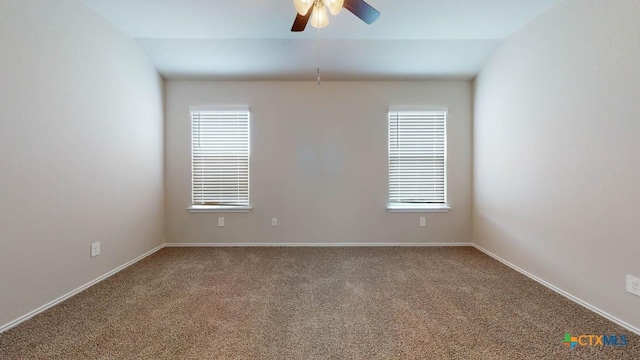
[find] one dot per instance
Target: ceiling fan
(316, 10)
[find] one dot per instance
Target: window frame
(198, 208)
(418, 207)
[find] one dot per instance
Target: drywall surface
(556, 144)
(81, 151)
(319, 162)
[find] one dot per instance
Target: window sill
(209, 208)
(418, 208)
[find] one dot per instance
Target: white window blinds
(220, 158)
(417, 158)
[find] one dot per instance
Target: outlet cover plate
(95, 249)
(633, 285)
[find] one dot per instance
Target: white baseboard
(503, 261)
(64, 297)
(310, 244)
(561, 292)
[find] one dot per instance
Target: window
(220, 160)
(417, 161)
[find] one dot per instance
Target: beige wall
(81, 151)
(318, 162)
(556, 144)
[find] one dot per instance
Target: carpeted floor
(314, 303)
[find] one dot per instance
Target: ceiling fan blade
(301, 22)
(362, 10)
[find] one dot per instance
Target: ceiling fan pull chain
(318, 58)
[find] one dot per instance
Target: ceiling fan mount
(316, 11)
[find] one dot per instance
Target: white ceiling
(251, 39)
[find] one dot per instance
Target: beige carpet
(314, 303)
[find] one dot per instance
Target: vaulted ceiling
(251, 39)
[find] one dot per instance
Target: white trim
(312, 244)
(64, 297)
(404, 208)
(206, 108)
(561, 292)
(419, 109)
(575, 299)
(205, 209)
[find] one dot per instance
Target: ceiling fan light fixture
(335, 6)
(303, 6)
(316, 11)
(319, 17)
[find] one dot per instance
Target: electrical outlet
(95, 249)
(274, 221)
(220, 221)
(633, 285)
(423, 221)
